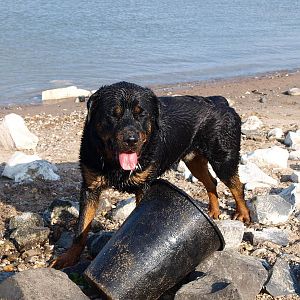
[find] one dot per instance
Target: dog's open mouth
(128, 160)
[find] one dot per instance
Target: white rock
(14, 134)
(292, 195)
(21, 167)
(252, 123)
(294, 155)
(294, 92)
(63, 93)
(295, 177)
(292, 140)
(123, 209)
(277, 133)
(274, 156)
(273, 234)
(253, 177)
(232, 231)
(182, 168)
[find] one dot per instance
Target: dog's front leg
(89, 201)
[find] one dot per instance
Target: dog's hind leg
(198, 166)
(237, 190)
(88, 206)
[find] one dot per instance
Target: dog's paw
(243, 216)
(65, 260)
(214, 213)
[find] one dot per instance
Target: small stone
(25, 220)
(295, 177)
(41, 283)
(263, 99)
(123, 210)
(26, 238)
(281, 282)
(294, 155)
(292, 195)
(8, 268)
(292, 140)
(252, 124)
(270, 209)
(232, 231)
(276, 133)
(293, 92)
(65, 240)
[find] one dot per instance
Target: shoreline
(239, 90)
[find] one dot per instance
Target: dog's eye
(117, 112)
(137, 110)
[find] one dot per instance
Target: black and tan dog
(131, 137)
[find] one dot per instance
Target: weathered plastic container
(162, 241)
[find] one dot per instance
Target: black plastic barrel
(162, 241)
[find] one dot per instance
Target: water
(56, 43)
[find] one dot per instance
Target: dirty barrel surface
(162, 240)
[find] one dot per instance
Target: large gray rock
(281, 282)
(253, 177)
(292, 140)
(25, 220)
(37, 284)
(270, 209)
(274, 235)
(274, 156)
(209, 287)
(245, 272)
(30, 237)
(123, 210)
(276, 133)
(233, 232)
(14, 134)
(21, 167)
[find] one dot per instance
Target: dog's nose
(131, 139)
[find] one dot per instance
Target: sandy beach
(59, 127)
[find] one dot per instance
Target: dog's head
(123, 116)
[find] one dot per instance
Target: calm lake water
(56, 43)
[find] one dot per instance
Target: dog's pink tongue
(128, 161)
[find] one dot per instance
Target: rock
(97, 241)
(245, 272)
(62, 212)
(295, 177)
(77, 269)
(123, 210)
(21, 167)
(294, 155)
(25, 220)
(281, 282)
(274, 156)
(263, 100)
(292, 140)
(292, 195)
(253, 176)
(31, 237)
(4, 275)
(270, 209)
(252, 124)
(65, 240)
(274, 235)
(233, 232)
(209, 287)
(182, 168)
(63, 93)
(293, 92)
(14, 134)
(276, 133)
(42, 283)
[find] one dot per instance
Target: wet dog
(131, 137)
